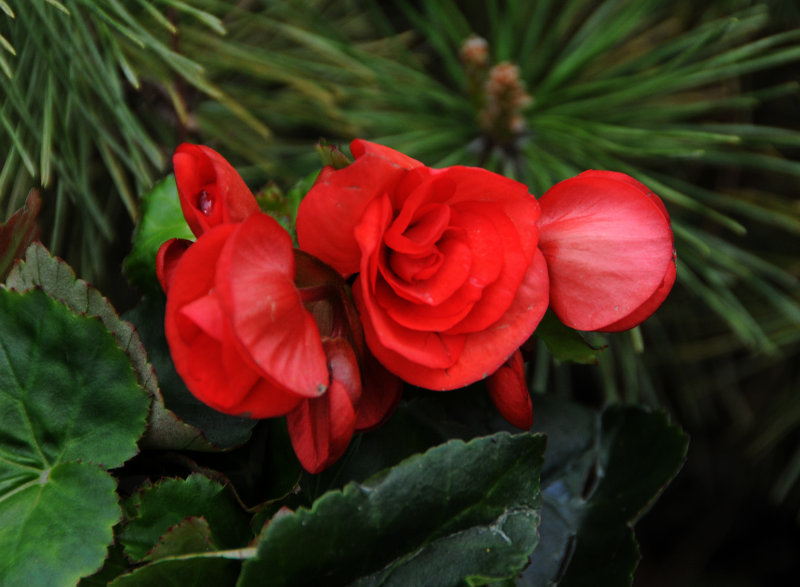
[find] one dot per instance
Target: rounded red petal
(169, 253)
(360, 147)
(608, 245)
(255, 285)
(646, 310)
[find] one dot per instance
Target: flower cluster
(434, 277)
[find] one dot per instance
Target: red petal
(255, 284)
(419, 316)
(452, 274)
(329, 213)
(321, 428)
(506, 196)
(211, 191)
(652, 304)
(418, 347)
(509, 392)
(380, 394)
(360, 147)
(169, 253)
(511, 260)
(608, 245)
(427, 348)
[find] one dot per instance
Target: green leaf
(55, 528)
(70, 408)
(602, 472)
(564, 343)
(192, 535)
(41, 270)
(221, 430)
(179, 572)
(170, 502)
(161, 220)
(460, 510)
(115, 565)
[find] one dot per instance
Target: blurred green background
(699, 101)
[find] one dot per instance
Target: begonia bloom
(237, 330)
(450, 279)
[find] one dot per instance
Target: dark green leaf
(602, 472)
(161, 220)
(171, 502)
(70, 407)
(180, 572)
(193, 535)
(460, 510)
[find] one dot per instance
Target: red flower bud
(212, 192)
(321, 428)
(509, 392)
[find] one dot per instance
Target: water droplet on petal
(205, 202)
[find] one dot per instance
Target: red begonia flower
(609, 250)
(321, 428)
(238, 333)
(201, 340)
(509, 392)
(451, 280)
(211, 191)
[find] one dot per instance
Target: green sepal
(161, 219)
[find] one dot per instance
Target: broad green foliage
(61, 375)
(601, 471)
(192, 535)
(39, 269)
(457, 511)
